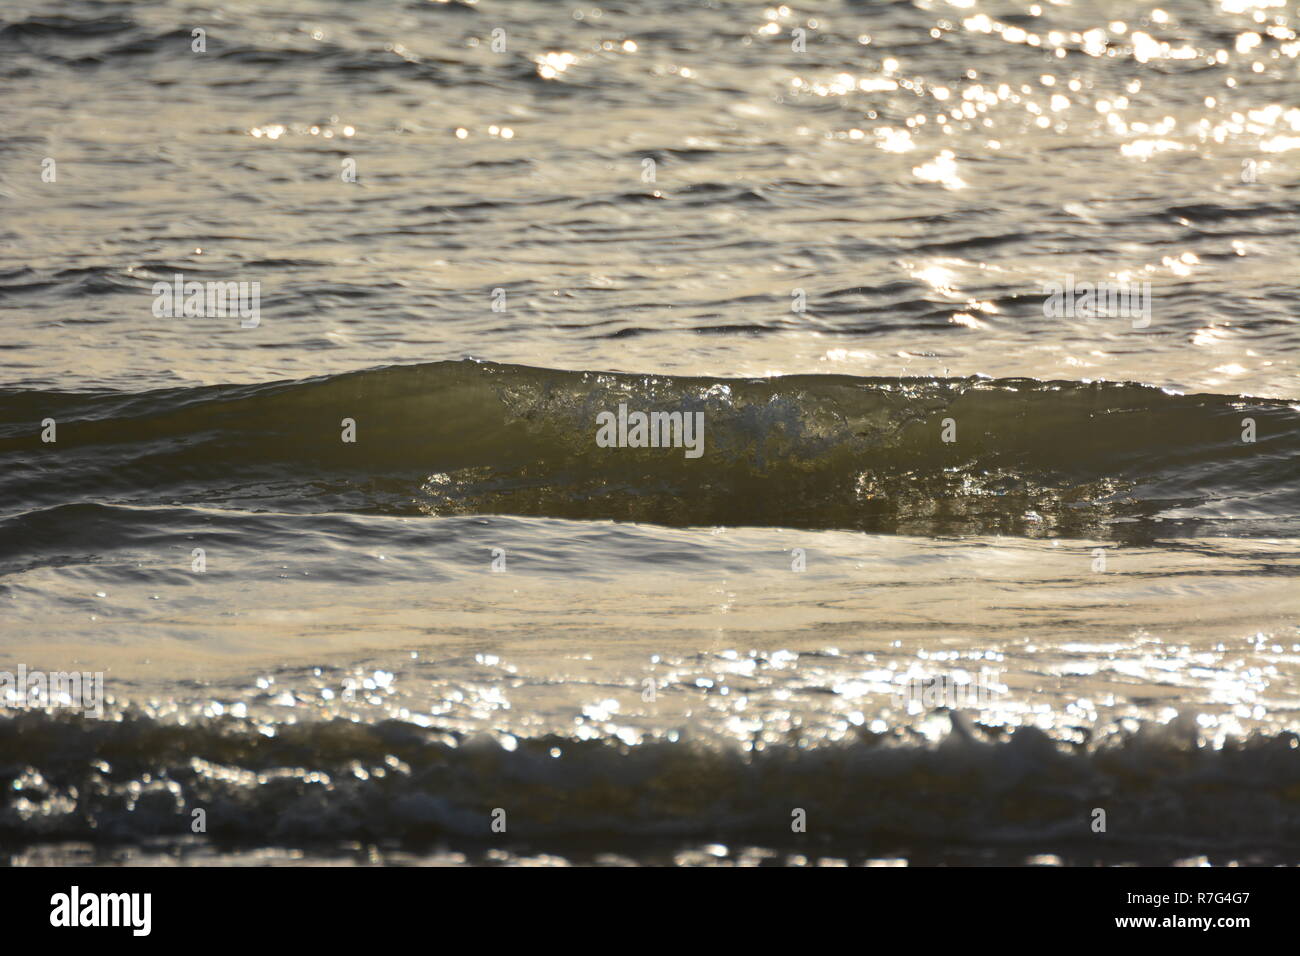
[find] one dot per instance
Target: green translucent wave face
(915, 456)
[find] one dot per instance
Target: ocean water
(953, 569)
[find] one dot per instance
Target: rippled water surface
(828, 228)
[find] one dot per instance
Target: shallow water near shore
(625, 682)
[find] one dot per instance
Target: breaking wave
(807, 451)
(138, 776)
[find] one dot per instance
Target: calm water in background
(350, 671)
